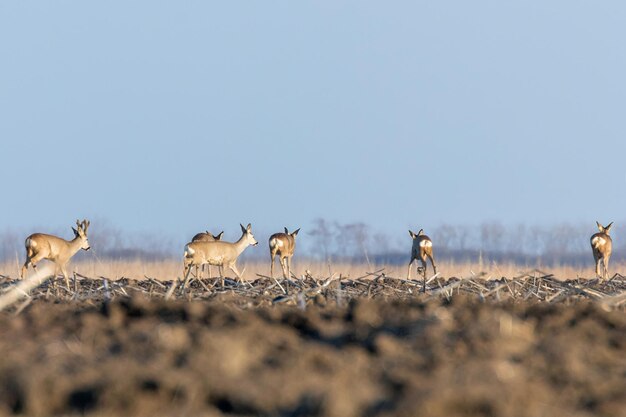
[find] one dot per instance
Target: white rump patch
(31, 243)
(426, 243)
(189, 251)
(598, 241)
(276, 243)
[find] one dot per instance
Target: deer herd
(208, 249)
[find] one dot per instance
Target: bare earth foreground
(522, 347)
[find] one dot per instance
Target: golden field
(168, 269)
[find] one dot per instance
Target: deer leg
(272, 256)
(55, 274)
(432, 262)
(288, 262)
(187, 272)
(408, 272)
(424, 264)
(67, 280)
(220, 270)
(598, 266)
(31, 259)
(185, 269)
(282, 266)
(25, 268)
(605, 261)
(423, 261)
(233, 267)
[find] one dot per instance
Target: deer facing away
(283, 245)
(602, 245)
(41, 246)
(206, 236)
(218, 253)
(422, 249)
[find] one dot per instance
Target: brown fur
(421, 252)
(206, 236)
(283, 245)
(41, 246)
(217, 253)
(602, 246)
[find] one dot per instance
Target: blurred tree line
(562, 243)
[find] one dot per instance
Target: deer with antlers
(602, 245)
(42, 246)
(217, 253)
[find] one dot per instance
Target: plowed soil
(145, 356)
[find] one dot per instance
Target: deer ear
(219, 235)
(296, 232)
(600, 228)
(608, 227)
(286, 231)
(411, 234)
(243, 229)
(75, 231)
(421, 232)
(249, 227)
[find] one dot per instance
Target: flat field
(335, 342)
(168, 269)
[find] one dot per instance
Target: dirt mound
(144, 357)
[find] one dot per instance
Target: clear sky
(180, 116)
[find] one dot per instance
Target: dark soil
(413, 357)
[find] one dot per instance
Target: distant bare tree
(464, 234)
(562, 239)
(11, 244)
(446, 236)
(353, 239)
(517, 239)
(322, 237)
(492, 236)
(383, 244)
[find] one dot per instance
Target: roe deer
(283, 245)
(602, 245)
(41, 246)
(206, 236)
(422, 248)
(217, 253)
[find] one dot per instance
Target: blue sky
(175, 117)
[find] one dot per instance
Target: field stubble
(340, 343)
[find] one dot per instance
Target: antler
(83, 225)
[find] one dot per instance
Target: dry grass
(168, 269)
